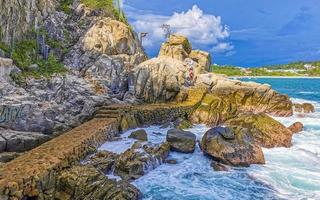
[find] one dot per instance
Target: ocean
(289, 173)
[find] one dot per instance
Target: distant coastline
(287, 77)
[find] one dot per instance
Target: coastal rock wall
(35, 173)
(17, 17)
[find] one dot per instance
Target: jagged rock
(85, 182)
(218, 166)
(177, 47)
(238, 150)
(103, 160)
(19, 17)
(203, 58)
(214, 110)
(265, 130)
(110, 37)
(181, 123)
(304, 108)
(16, 141)
(159, 79)
(137, 161)
(139, 135)
(296, 127)
(228, 97)
(181, 141)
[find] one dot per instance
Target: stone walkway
(35, 171)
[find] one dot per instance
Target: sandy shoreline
(284, 77)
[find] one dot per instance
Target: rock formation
(296, 127)
(266, 131)
(232, 145)
(304, 108)
(181, 141)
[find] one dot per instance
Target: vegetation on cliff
(291, 69)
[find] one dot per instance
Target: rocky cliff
(90, 51)
(17, 17)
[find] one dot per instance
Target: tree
(166, 29)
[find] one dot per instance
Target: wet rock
(86, 182)
(296, 127)
(139, 135)
(304, 108)
(181, 123)
(265, 130)
(171, 161)
(136, 162)
(240, 151)
(218, 166)
(103, 160)
(181, 141)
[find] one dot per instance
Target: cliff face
(19, 16)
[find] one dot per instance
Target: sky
(245, 33)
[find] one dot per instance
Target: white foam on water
(289, 173)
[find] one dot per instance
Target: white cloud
(201, 29)
(222, 47)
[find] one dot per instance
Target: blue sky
(235, 32)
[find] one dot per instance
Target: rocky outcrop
(140, 159)
(228, 97)
(85, 182)
(19, 17)
(102, 160)
(15, 141)
(159, 79)
(232, 145)
(304, 108)
(181, 141)
(106, 37)
(179, 48)
(266, 131)
(139, 135)
(296, 127)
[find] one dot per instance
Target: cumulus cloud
(202, 29)
(222, 47)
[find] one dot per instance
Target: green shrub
(66, 6)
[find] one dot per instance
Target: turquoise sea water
(289, 173)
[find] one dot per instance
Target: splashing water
(289, 173)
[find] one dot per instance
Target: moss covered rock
(265, 130)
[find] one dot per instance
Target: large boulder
(296, 127)
(159, 79)
(181, 141)
(232, 145)
(265, 130)
(139, 135)
(177, 47)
